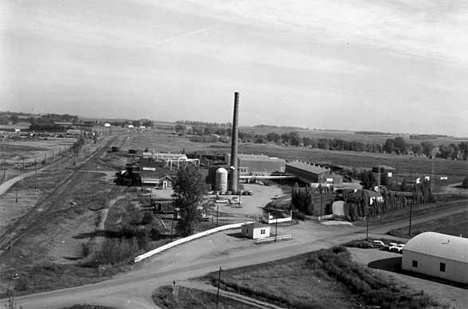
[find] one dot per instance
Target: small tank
(221, 179)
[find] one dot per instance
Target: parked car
(235, 200)
(378, 244)
(396, 249)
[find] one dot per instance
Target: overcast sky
(394, 66)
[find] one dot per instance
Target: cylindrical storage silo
(221, 179)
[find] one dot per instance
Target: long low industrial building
(437, 255)
(313, 175)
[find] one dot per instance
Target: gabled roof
(439, 245)
(308, 167)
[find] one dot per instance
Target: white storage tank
(221, 179)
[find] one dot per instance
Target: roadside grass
(86, 307)
(455, 225)
(46, 276)
(321, 279)
(181, 297)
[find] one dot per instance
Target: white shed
(255, 230)
(438, 255)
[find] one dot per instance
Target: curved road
(199, 257)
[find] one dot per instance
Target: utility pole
(321, 200)
(367, 227)
(217, 294)
(16, 193)
(276, 227)
(172, 224)
(411, 213)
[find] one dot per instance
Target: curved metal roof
(439, 245)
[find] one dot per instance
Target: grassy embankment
(321, 279)
(167, 297)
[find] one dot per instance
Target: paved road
(197, 258)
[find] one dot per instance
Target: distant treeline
(267, 126)
(397, 145)
(372, 133)
(49, 122)
(426, 136)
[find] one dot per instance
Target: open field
(167, 298)
(455, 170)
(350, 135)
(321, 279)
(456, 225)
(29, 149)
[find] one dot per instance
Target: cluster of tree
(358, 205)
(208, 139)
(189, 188)
(425, 136)
(267, 126)
(203, 129)
(302, 200)
(136, 123)
(454, 151)
(49, 122)
(372, 133)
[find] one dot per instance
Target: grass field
(165, 297)
(349, 135)
(456, 170)
(456, 225)
(321, 279)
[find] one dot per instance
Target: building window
(415, 264)
(262, 231)
(442, 267)
(247, 231)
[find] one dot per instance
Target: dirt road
(133, 289)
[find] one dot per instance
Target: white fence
(187, 239)
(273, 238)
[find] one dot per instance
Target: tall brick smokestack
(234, 180)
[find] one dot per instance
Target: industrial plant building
(313, 175)
(257, 165)
(437, 255)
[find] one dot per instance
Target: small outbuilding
(255, 230)
(437, 255)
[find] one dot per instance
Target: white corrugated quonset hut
(438, 255)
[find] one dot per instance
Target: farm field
(349, 135)
(455, 170)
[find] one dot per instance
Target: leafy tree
(417, 149)
(427, 148)
(188, 192)
(273, 137)
(389, 146)
(14, 118)
(294, 138)
(463, 146)
(368, 179)
(301, 199)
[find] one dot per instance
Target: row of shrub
(373, 289)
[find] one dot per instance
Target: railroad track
(33, 218)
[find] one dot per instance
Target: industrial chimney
(234, 180)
